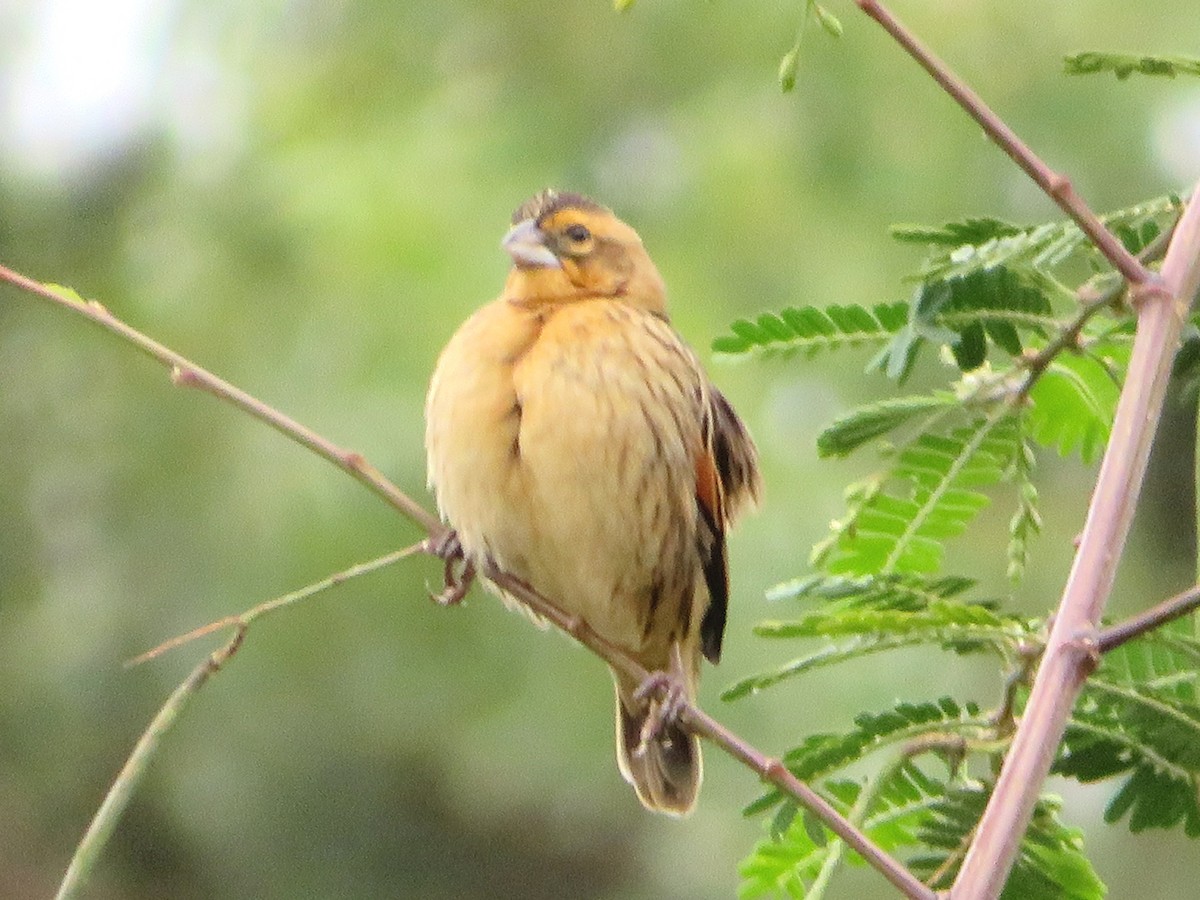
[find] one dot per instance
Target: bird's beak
(526, 244)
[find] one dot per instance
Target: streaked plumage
(574, 439)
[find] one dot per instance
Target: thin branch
(1057, 186)
(690, 716)
(1155, 617)
(1091, 301)
(699, 722)
(774, 771)
(186, 373)
(1071, 649)
(117, 799)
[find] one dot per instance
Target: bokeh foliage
(308, 203)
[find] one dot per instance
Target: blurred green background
(307, 198)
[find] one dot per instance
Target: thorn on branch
(773, 769)
(1153, 288)
(1058, 186)
(1085, 643)
(184, 377)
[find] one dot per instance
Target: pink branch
(1057, 186)
(1071, 652)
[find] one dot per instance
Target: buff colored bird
(574, 440)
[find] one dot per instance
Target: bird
(574, 441)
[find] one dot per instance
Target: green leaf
(1185, 374)
(1073, 404)
(788, 67)
(1050, 866)
(940, 622)
(898, 523)
(1026, 521)
(1025, 250)
(956, 626)
(69, 294)
(955, 234)
(971, 309)
(822, 754)
(811, 329)
(1138, 715)
(903, 592)
(999, 303)
(622, 5)
(787, 861)
(850, 431)
(1125, 64)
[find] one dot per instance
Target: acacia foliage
(1029, 328)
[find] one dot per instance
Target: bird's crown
(548, 201)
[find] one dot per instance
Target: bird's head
(566, 247)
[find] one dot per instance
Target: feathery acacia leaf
(849, 432)
(1050, 865)
(955, 234)
(1138, 715)
(1026, 521)
(823, 754)
(899, 523)
(960, 627)
(903, 592)
(970, 311)
(1074, 402)
(1039, 247)
(785, 863)
(811, 329)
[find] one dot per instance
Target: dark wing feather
(727, 480)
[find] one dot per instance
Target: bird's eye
(578, 233)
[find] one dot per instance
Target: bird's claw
(667, 697)
(458, 572)
(444, 545)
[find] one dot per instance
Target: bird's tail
(665, 771)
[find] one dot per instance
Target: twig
(1156, 616)
(702, 724)
(1091, 300)
(691, 716)
(1057, 186)
(117, 799)
(184, 372)
(774, 771)
(1071, 648)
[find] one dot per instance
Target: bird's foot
(458, 573)
(667, 696)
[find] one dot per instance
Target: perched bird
(574, 440)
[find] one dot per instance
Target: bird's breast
(564, 449)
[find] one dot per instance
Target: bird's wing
(727, 481)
